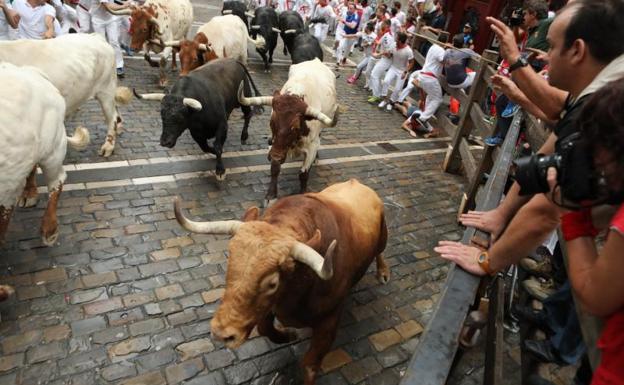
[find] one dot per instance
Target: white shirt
(401, 57)
(326, 12)
(32, 20)
(433, 60)
(386, 44)
(401, 16)
(428, 7)
(4, 24)
(367, 42)
(395, 26)
(99, 14)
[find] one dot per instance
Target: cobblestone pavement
(126, 295)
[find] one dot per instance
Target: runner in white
(36, 19)
(402, 62)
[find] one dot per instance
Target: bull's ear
(276, 93)
(201, 38)
(315, 241)
(251, 214)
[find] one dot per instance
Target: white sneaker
(389, 107)
(382, 104)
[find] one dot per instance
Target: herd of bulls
(297, 261)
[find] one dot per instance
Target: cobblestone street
(126, 295)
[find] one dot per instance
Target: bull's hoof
(383, 275)
(28, 200)
(220, 177)
(107, 149)
(243, 141)
(50, 239)
(162, 83)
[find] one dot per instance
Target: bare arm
(10, 15)
(115, 7)
(515, 94)
(49, 22)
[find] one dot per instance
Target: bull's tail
(257, 109)
(259, 43)
(123, 95)
(80, 139)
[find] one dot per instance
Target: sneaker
(352, 79)
(389, 107)
(493, 141)
(120, 73)
(542, 268)
(510, 110)
(382, 104)
(539, 290)
(374, 99)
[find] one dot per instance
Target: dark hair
(538, 7)
(401, 37)
(384, 7)
(556, 5)
(443, 38)
(397, 4)
(370, 26)
(602, 120)
(386, 22)
(458, 40)
(394, 11)
(598, 23)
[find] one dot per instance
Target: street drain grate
(388, 147)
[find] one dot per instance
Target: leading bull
(297, 263)
(202, 101)
(305, 104)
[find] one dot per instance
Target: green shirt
(537, 35)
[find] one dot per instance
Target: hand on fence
(489, 221)
(508, 46)
(465, 256)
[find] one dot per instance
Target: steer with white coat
(81, 67)
(305, 104)
(32, 133)
(156, 22)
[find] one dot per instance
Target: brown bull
(297, 263)
(194, 53)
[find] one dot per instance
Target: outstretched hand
(508, 45)
(489, 221)
(465, 256)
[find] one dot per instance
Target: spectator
(426, 10)
(36, 19)
(349, 36)
(402, 61)
(456, 62)
(467, 35)
(439, 18)
(8, 19)
(368, 39)
(383, 53)
(106, 24)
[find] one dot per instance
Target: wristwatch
(521, 62)
(484, 262)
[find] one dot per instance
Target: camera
(577, 179)
(517, 17)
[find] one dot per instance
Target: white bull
(32, 133)
(304, 105)
(81, 67)
(222, 36)
(156, 22)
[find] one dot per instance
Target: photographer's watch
(521, 62)
(484, 262)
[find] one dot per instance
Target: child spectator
(368, 39)
(402, 60)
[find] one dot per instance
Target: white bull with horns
(306, 103)
(156, 22)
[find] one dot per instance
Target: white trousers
(124, 27)
(393, 78)
(431, 87)
(343, 49)
(110, 31)
(378, 71)
(467, 82)
(84, 19)
(409, 87)
(369, 69)
(362, 66)
(320, 32)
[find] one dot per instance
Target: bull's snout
(230, 336)
(167, 142)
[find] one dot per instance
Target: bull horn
(173, 43)
(204, 47)
(192, 103)
(255, 27)
(276, 29)
(254, 101)
(250, 14)
(154, 21)
(214, 227)
(120, 12)
(290, 31)
(226, 12)
(323, 267)
(155, 96)
(316, 114)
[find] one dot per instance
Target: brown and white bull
(222, 36)
(297, 263)
(81, 66)
(156, 22)
(305, 104)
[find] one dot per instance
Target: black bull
(202, 102)
(290, 25)
(305, 47)
(265, 23)
(238, 8)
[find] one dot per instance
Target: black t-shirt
(568, 124)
